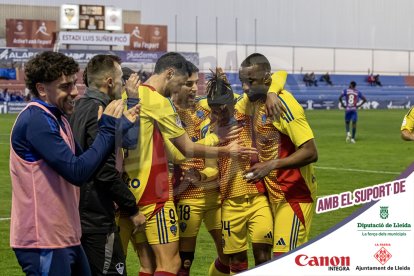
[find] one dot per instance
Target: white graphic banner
(376, 240)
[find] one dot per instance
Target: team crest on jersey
(173, 229)
(120, 268)
(200, 113)
(384, 212)
(264, 118)
(183, 226)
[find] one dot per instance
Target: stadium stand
(396, 92)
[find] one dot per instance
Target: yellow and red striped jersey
(147, 165)
(279, 139)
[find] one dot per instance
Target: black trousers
(105, 254)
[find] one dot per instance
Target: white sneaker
(348, 137)
(353, 141)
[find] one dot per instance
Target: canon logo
(303, 260)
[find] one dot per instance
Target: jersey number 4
(225, 226)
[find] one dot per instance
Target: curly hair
(47, 67)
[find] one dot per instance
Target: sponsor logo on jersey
(281, 242)
(270, 235)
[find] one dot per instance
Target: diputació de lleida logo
(384, 212)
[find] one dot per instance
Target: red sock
(183, 272)
(236, 268)
(164, 273)
(277, 254)
(222, 267)
(144, 274)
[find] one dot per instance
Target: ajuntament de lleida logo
(384, 212)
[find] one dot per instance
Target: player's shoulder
(201, 102)
(149, 95)
(287, 98)
(410, 112)
(147, 89)
(292, 106)
(239, 97)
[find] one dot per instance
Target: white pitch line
(4, 219)
(355, 170)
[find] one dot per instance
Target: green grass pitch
(378, 156)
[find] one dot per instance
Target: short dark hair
(192, 68)
(172, 60)
(352, 84)
(47, 67)
(257, 59)
(127, 72)
(98, 65)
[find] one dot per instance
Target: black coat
(97, 196)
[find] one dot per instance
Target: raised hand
(114, 109)
(259, 170)
(191, 176)
(227, 133)
(236, 149)
(274, 107)
(132, 114)
(131, 86)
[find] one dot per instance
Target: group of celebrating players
(242, 164)
(265, 196)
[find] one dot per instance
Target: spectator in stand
(371, 80)
(326, 78)
(306, 79)
(310, 79)
(13, 97)
(377, 80)
(6, 95)
(19, 97)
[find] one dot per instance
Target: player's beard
(257, 92)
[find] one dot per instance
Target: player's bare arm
(190, 149)
(407, 135)
(306, 154)
(340, 100)
(273, 105)
(363, 101)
